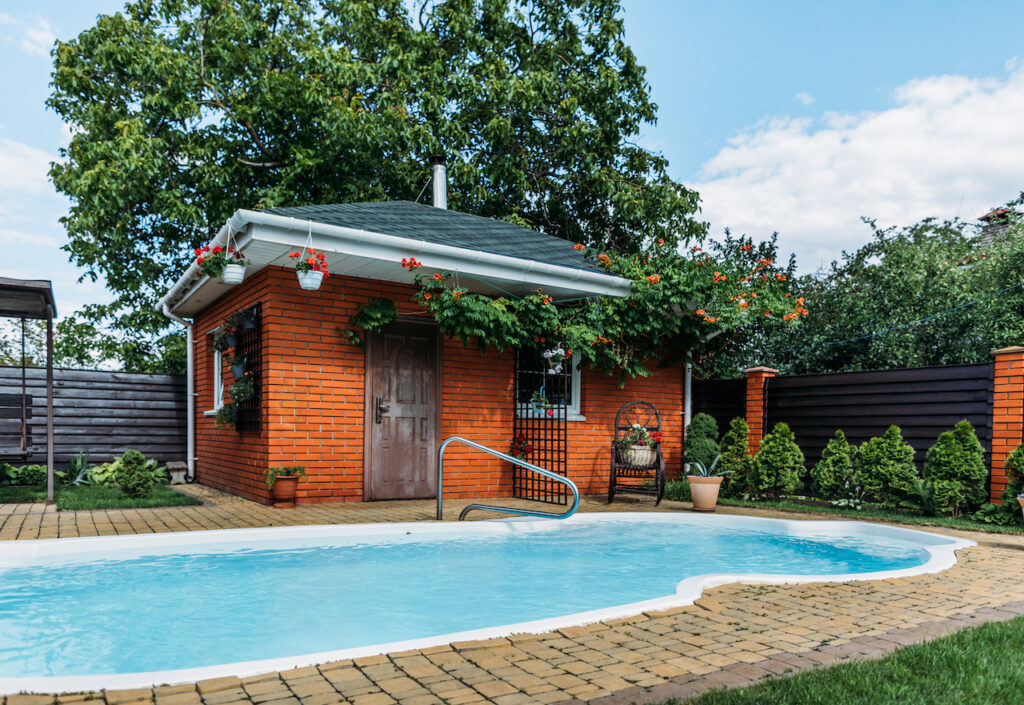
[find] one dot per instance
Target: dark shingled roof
(444, 227)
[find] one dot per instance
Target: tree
(955, 472)
(905, 275)
(701, 441)
(184, 110)
(833, 476)
(778, 465)
(885, 466)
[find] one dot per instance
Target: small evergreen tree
(955, 472)
(777, 467)
(735, 457)
(834, 476)
(701, 444)
(885, 466)
(132, 474)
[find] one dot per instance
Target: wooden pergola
(28, 299)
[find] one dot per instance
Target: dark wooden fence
(922, 401)
(723, 399)
(104, 413)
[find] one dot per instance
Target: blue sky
(795, 117)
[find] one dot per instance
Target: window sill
(211, 413)
(569, 417)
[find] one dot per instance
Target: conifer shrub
(778, 465)
(735, 457)
(701, 441)
(1009, 511)
(885, 466)
(955, 472)
(133, 474)
(835, 476)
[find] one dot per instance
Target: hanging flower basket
(227, 263)
(310, 267)
(238, 367)
(540, 404)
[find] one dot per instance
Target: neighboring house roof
(996, 224)
(444, 227)
(370, 240)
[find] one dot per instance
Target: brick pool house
(366, 421)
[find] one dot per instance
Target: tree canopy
(184, 110)
(956, 284)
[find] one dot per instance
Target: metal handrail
(515, 461)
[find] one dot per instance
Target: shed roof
(26, 298)
(416, 221)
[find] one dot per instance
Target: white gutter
(164, 307)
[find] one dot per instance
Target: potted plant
(1020, 501)
(237, 364)
(225, 416)
(227, 263)
(310, 268)
(705, 482)
(283, 481)
(520, 447)
(242, 390)
(638, 446)
(540, 404)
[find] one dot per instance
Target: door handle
(380, 408)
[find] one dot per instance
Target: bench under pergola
(27, 299)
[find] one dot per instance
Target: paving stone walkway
(734, 634)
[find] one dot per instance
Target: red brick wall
(1007, 412)
(313, 396)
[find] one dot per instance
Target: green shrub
(701, 440)
(77, 470)
(777, 467)
(133, 475)
(678, 491)
(834, 476)
(1009, 511)
(25, 474)
(104, 474)
(955, 472)
(885, 466)
(735, 457)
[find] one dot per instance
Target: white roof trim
(378, 248)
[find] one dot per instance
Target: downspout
(687, 400)
(190, 391)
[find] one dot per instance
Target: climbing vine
(679, 301)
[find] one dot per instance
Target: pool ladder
(515, 461)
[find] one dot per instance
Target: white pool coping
(940, 548)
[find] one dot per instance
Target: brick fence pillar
(1007, 412)
(757, 380)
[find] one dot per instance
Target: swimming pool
(131, 611)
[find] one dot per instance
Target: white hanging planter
(311, 280)
(233, 274)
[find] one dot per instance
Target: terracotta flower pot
(704, 491)
(284, 490)
(233, 274)
(1020, 501)
(310, 280)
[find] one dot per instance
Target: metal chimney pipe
(439, 181)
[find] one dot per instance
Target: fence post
(754, 411)
(1007, 412)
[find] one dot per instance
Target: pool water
(233, 601)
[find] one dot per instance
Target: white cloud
(804, 97)
(23, 169)
(949, 144)
(34, 36)
(21, 237)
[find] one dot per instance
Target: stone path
(734, 634)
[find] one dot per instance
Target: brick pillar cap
(768, 369)
(1011, 349)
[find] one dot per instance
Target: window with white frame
(217, 373)
(535, 378)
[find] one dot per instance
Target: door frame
(371, 338)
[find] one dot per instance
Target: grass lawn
(94, 497)
(893, 515)
(978, 666)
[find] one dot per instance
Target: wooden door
(402, 412)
